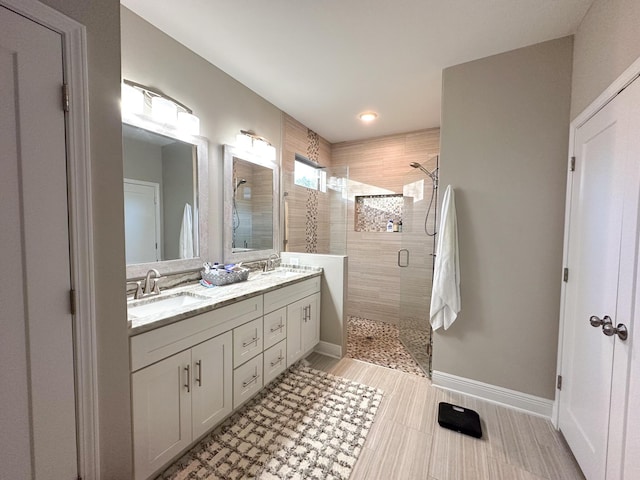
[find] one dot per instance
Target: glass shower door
(415, 260)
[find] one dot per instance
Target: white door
(601, 255)
(161, 397)
(38, 434)
(212, 399)
(142, 221)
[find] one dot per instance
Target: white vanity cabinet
(275, 361)
(303, 327)
(302, 303)
(189, 375)
(178, 399)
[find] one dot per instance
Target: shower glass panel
(416, 263)
(316, 220)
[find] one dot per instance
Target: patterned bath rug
(306, 424)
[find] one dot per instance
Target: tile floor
(379, 343)
(406, 442)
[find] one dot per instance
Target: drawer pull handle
(246, 383)
(199, 373)
(278, 361)
(188, 384)
(251, 342)
(275, 329)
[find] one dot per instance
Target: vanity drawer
(247, 341)
(275, 327)
(275, 361)
(247, 381)
(284, 296)
(150, 347)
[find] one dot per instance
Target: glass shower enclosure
(416, 259)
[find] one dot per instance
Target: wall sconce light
(141, 100)
(248, 140)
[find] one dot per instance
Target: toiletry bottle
(395, 226)
(390, 226)
(400, 226)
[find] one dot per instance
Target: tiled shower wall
(378, 167)
(307, 212)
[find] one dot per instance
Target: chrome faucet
(151, 286)
(271, 262)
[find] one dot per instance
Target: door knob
(621, 330)
(600, 322)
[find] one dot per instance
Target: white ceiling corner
(325, 61)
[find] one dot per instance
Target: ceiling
(325, 61)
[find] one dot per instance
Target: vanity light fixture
(132, 99)
(164, 111)
(368, 116)
(141, 100)
(247, 140)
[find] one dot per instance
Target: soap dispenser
(390, 226)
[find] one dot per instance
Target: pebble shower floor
(379, 343)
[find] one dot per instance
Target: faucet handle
(156, 287)
(138, 293)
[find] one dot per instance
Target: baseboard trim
(329, 349)
(491, 393)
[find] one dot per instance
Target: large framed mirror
(251, 206)
(165, 198)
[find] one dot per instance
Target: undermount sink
(153, 306)
(280, 273)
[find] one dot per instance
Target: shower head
(239, 181)
(432, 175)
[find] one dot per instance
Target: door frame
(619, 394)
(75, 70)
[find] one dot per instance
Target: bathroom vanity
(198, 354)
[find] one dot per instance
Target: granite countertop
(208, 299)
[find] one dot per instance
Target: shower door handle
(400, 255)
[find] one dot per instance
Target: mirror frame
(201, 211)
(231, 152)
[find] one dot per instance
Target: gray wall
(177, 186)
(224, 105)
(606, 43)
(143, 161)
(504, 140)
(102, 20)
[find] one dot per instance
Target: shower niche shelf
(372, 212)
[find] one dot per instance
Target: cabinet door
(311, 323)
(275, 361)
(161, 412)
(275, 327)
(212, 391)
(294, 331)
(247, 341)
(247, 381)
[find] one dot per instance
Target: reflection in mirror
(164, 177)
(159, 197)
(251, 206)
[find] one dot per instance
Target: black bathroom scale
(460, 419)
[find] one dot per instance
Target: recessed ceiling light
(368, 116)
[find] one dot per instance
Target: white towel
(186, 233)
(445, 295)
